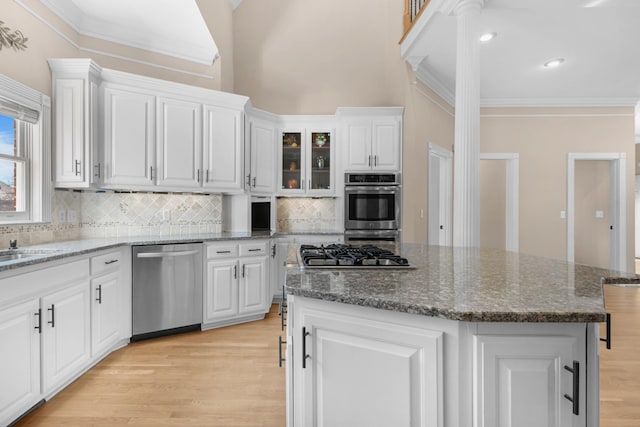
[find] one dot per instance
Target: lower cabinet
(66, 334)
(55, 322)
(19, 359)
(236, 288)
(349, 370)
(527, 381)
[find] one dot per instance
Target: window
(25, 183)
(14, 166)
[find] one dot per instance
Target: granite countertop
(63, 249)
(467, 284)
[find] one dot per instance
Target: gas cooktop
(348, 256)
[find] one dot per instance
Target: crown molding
(369, 111)
(436, 85)
(235, 3)
(558, 102)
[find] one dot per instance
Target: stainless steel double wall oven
(372, 206)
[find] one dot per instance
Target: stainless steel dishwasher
(167, 289)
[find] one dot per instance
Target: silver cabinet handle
(375, 160)
(166, 254)
(111, 261)
(52, 322)
(243, 269)
(254, 182)
(96, 174)
(223, 252)
(99, 291)
(369, 160)
(77, 167)
(198, 176)
(235, 271)
(255, 250)
(151, 173)
(207, 180)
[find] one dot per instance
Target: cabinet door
(252, 296)
(69, 131)
(179, 144)
(221, 290)
(129, 132)
(19, 359)
(66, 334)
(320, 163)
(105, 312)
(222, 148)
(263, 153)
(360, 372)
(386, 144)
(358, 147)
(292, 162)
(521, 381)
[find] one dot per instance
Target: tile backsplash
(78, 214)
(306, 214)
(110, 214)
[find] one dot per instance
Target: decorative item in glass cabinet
(320, 162)
(321, 139)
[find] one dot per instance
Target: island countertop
(467, 284)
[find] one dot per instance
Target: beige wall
(493, 186)
(310, 57)
(543, 137)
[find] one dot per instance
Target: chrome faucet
(13, 244)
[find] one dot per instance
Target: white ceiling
(170, 27)
(598, 39)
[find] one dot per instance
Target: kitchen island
(469, 337)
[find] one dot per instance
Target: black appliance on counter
(350, 256)
(372, 206)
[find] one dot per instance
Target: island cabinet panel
(363, 372)
(522, 381)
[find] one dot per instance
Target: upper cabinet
(128, 132)
(373, 138)
(306, 161)
(75, 123)
(260, 154)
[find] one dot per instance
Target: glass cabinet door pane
(320, 160)
(291, 160)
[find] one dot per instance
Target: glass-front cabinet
(307, 162)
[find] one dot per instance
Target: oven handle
(371, 189)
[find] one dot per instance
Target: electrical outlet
(72, 216)
(563, 215)
(62, 217)
(421, 213)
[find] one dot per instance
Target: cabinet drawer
(254, 248)
(107, 262)
(222, 250)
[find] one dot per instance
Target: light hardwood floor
(230, 377)
(222, 377)
(620, 366)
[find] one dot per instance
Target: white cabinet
(179, 144)
(373, 138)
(306, 162)
(522, 380)
(236, 287)
(129, 138)
(261, 155)
(222, 149)
(352, 370)
(107, 304)
(19, 358)
(75, 122)
(66, 334)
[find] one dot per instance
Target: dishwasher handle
(166, 254)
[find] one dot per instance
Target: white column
(466, 172)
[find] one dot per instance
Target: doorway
(617, 214)
(439, 196)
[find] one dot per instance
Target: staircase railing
(412, 11)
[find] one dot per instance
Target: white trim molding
(618, 205)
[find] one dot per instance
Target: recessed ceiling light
(554, 63)
(487, 36)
